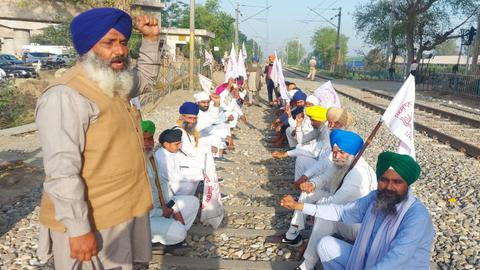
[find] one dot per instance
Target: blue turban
(90, 26)
(348, 141)
(189, 108)
(299, 95)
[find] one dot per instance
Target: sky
(284, 21)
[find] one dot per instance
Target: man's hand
(307, 187)
(299, 119)
(243, 118)
(279, 154)
(288, 110)
(300, 180)
(216, 99)
(178, 217)
(289, 202)
(167, 212)
(83, 247)
(148, 26)
(230, 118)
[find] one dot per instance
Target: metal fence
(172, 76)
(466, 85)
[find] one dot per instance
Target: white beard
(111, 82)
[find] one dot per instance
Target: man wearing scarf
(396, 228)
(94, 210)
(169, 225)
(322, 189)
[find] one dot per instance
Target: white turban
(313, 99)
(201, 96)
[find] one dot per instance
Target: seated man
(324, 189)
(212, 126)
(339, 118)
(194, 156)
(302, 125)
(168, 223)
(396, 229)
(287, 119)
(307, 154)
(228, 103)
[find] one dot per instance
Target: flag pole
(365, 145)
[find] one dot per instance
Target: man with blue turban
(396, 229)
(96, 193)
(322, 189)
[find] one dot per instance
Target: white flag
(208, 58)
(205, 82)
(242, 71)
(244, 51)
(398, 117)
(278, 79)
(232, 67)
(327, 95)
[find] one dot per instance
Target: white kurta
(358, 183)
(212, 127)
(316, 147)
(229, 105)
(294, 132)
(169, 231)
(182, 178)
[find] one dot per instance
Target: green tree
(449, 47)
(295, 50)
(55, 35)
(323, 42)
(173, 14)
(425, 23)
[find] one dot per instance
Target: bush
(16, 108)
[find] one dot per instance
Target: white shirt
(169, 169)
(208, 118)
(357, 183)
(316, 150)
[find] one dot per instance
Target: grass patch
(16, 108)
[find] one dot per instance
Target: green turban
(148, 126)
(404, 165)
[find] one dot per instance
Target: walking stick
(157, 182)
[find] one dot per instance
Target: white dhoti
(118, 247)
(302, 163)
(298, 218)
(292, 140)
(324, 228)
(169, 231)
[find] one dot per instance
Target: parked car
(55, 61)
(34, 57)
(11, 59)
(17, 71)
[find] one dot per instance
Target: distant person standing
(254, 76)
(313, 68)
(268, 79)
(413, 68)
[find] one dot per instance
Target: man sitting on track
(325, 188)
(171, 216)
(396, 229)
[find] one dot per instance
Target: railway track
(460, 132)
(255, 182)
